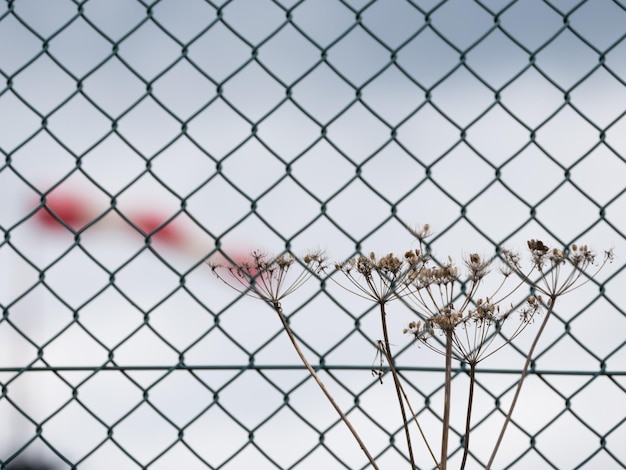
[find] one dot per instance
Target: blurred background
(140, 139)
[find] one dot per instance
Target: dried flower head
(421, 233)
(478, 321)
(477, 266)
(474, 326)
(476, 333)
(266, 277)
(381, 279)
(558, 271)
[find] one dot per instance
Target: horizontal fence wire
(143, 139)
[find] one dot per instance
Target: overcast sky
(315, 124)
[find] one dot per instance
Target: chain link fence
(140, 139)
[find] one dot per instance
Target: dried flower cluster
(266, 277)
(382, 279)
(550, 264)
(454, 315)
(475, 323)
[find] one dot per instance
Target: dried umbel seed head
(365, 266)
(315, 258)
(421, 233)
(266, 277)
(474, 334)
(537, 245)
(470, 322)
(446, 274)
(511, 262)
(560, 271)
(284, 261)
(447, 320)
(556, 256)
(390, 265)
(477, 266)
(422, 331)
(485, 311)
(533, 304)
(381, 279)
(582, 255)
(414, 256)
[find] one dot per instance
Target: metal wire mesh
(198, 129)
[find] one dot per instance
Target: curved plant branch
(529, 357)
(278, 309)
(268, 278)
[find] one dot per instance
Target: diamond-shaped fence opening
(140, 139)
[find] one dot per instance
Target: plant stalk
(344, 418)
(396, 382)
(446, 405)
(414, 415)
(468, 419)
(529, 356)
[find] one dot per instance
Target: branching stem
(408, 404)
(344, 418)
(396, 382)
(529, 357)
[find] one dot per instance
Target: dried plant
(383, 280)
(553, 272)
(470, 329)
(457, 316)
(268, 279)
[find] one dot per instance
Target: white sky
(245, 127)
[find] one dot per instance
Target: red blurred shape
(168, 233)
(66, 208)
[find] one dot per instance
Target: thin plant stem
(468, 418)
(408, 403)
(396, 381)
(446, 404)
(529, 356)
(344, 418)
